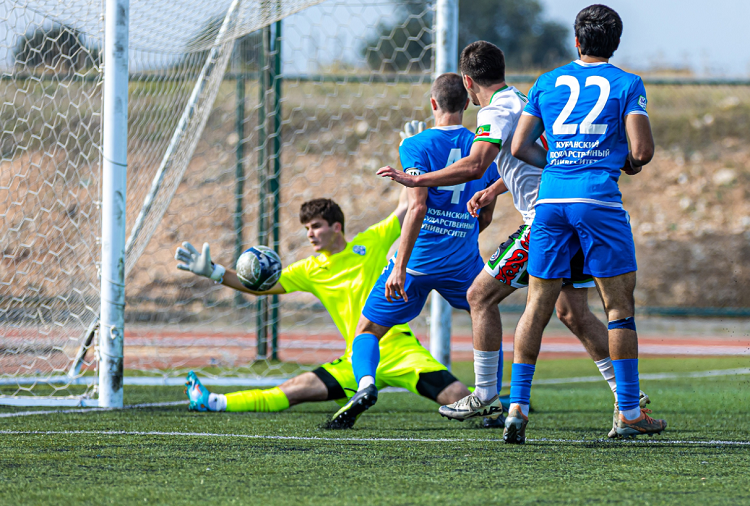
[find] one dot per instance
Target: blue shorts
(452, 286)
(559, 230)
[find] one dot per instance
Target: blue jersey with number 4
(583, 107)
(448, 239)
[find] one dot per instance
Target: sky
(709, 37)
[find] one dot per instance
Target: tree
(403, 45)
(516, 26)
(59, 47)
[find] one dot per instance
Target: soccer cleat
(471, 406)
(493, 423)
(515, 426)
(644, 424)
(196, 392)
(642, 401)
(358, 404)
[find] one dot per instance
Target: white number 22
(559, 127)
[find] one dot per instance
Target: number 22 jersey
(583, 107)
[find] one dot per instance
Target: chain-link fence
(307, 107)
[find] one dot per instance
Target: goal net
(239, 111)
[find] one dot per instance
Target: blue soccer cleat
(197, 393)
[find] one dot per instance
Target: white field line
(554, 381)
(92, 410)
(356, 439)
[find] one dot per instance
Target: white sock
(485, 374)
(365, 382)
(631, 414)
(524, 408)
(608, 371)
(217, 402)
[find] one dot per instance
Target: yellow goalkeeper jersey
(343, 281)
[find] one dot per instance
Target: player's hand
(198, 262)
(395, 286)
(398, 176)
(412, 128)
(480, 199)
(629, 169)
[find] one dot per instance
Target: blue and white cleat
(197, 393)
(361, 402)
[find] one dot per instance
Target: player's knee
(365, 326)
(567, 315)
(479, 296)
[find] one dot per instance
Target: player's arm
(524, 146)
(395, 285)
(232, 281)
(485, 197)
(466, 169)
(638, 128)
(485, 217)
(402, 207)
(200, 264)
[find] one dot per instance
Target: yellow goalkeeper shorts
(404, 363)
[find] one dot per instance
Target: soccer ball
(259, 268)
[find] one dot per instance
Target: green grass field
(400, 452)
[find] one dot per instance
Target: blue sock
(500, 371)
(520, 383)
(365, 356)
(628, 386)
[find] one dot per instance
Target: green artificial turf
(473, 466)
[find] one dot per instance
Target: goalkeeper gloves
(199, 262)
(412, 128)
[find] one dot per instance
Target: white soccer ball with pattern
(259, 268)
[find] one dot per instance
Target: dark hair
(449, 92)
(484, 62)
(598, 29)
(325, 209)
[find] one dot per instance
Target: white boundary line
(554, 381)
(358, 439)
(91, 410)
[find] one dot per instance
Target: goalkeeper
(341, 276)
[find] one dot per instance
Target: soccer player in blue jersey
(482, 66)
(439, 247)
(589, 109)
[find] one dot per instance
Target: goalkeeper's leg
(307, 387)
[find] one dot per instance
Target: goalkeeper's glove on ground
(199, 262)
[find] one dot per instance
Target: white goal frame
(108, 329)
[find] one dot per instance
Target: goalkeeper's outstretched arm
(200, 264)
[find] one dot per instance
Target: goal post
(114, 191)
(446, 60)
(145, 135)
